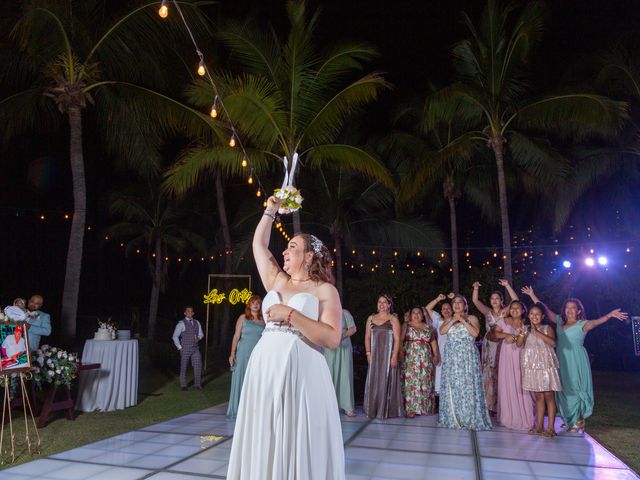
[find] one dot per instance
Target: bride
(288, 424)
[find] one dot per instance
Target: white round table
(114, 385)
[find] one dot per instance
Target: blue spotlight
(589, 262)
(603, 261)
(566, 264)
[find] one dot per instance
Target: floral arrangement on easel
(53, 365)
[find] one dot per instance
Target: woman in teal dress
(249, 327)
(463, 404)
(340, 363)
(575, 401)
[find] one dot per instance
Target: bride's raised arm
(268, 267)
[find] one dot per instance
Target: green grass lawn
(160, 398)
(616, 416)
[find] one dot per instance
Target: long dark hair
(388, 298)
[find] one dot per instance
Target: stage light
(566, 264)
(603, 260)
(589, 262)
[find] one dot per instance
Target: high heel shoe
(579, 426)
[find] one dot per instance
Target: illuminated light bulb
(214, 111)
(628, 249)
(232, 141)
(418, 254)
(41, 217)
(244, 162)
(395, 254)
(106, 237)
(589, 262)
(137, 250)
(164, 10)
(258, 193)
(250, 180)
(373, 252)
(201, 69)
(66, 216)
(264, 204)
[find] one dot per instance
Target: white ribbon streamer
(288, 177)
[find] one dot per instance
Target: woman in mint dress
(575, 401)
(463, 404)
(340, 363)
(249, 327)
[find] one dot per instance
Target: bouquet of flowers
(291, 199)
(53, 365)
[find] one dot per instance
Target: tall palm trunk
(155, 291)
(497, 144)
(337, 244)
(76, 238)
(449, 193)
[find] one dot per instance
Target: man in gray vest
(186, 336)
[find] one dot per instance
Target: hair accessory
(316, 245)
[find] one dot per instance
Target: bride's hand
(278, 313)
(273, 204)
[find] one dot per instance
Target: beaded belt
(276, 327)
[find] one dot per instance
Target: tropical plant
(71, 55)
(290, 98)
(160, 226)
(492, 92)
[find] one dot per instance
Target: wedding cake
(102, 334)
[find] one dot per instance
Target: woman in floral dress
(420, 354)
(462, 401)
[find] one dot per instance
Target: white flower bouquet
(53, 365)
(291, 199)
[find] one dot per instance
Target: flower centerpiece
(107, 328)
(291, 199)
(53, 365)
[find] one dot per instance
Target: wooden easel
(27, 415)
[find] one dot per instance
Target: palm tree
(73, 55)
(442, 156)
(492, 93)
(289, 98)
(354, 210)
(158, 225)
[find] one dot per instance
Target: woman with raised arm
(288, 423)
(490, 343)
(437, 320)
(249, 327)
(462, 401)
(575, 401)
(382, 389)
(515, 406)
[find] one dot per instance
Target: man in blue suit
(39, 322)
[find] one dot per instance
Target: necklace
(299, 279)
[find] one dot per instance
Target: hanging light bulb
(244, 162)
(250, 180)
(201, 68)
(164, 10)
(258, 193)
(264, 204)
(232, 140)
(214, 108)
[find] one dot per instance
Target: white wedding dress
(288, 424)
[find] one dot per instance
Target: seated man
(39, 322)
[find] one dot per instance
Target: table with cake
(114, 385)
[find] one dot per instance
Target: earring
(308, 265)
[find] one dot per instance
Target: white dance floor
(197, 446)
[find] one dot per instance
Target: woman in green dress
(249, 327)
(340, 363)
(575, 401)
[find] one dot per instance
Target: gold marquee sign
(233, 297)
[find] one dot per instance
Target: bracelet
(368, 353)
(271, 215)
(289, 316)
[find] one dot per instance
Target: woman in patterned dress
(463, 404)
(420, 356)
(491, 344)
(382, 390)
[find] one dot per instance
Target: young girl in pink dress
(515, 406)
(540, 370)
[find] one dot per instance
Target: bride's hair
(320, 267)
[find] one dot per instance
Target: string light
(232, 140)
(258, 193)
(164, 10)
(244, 163)
(214, 108)
(201, 68)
